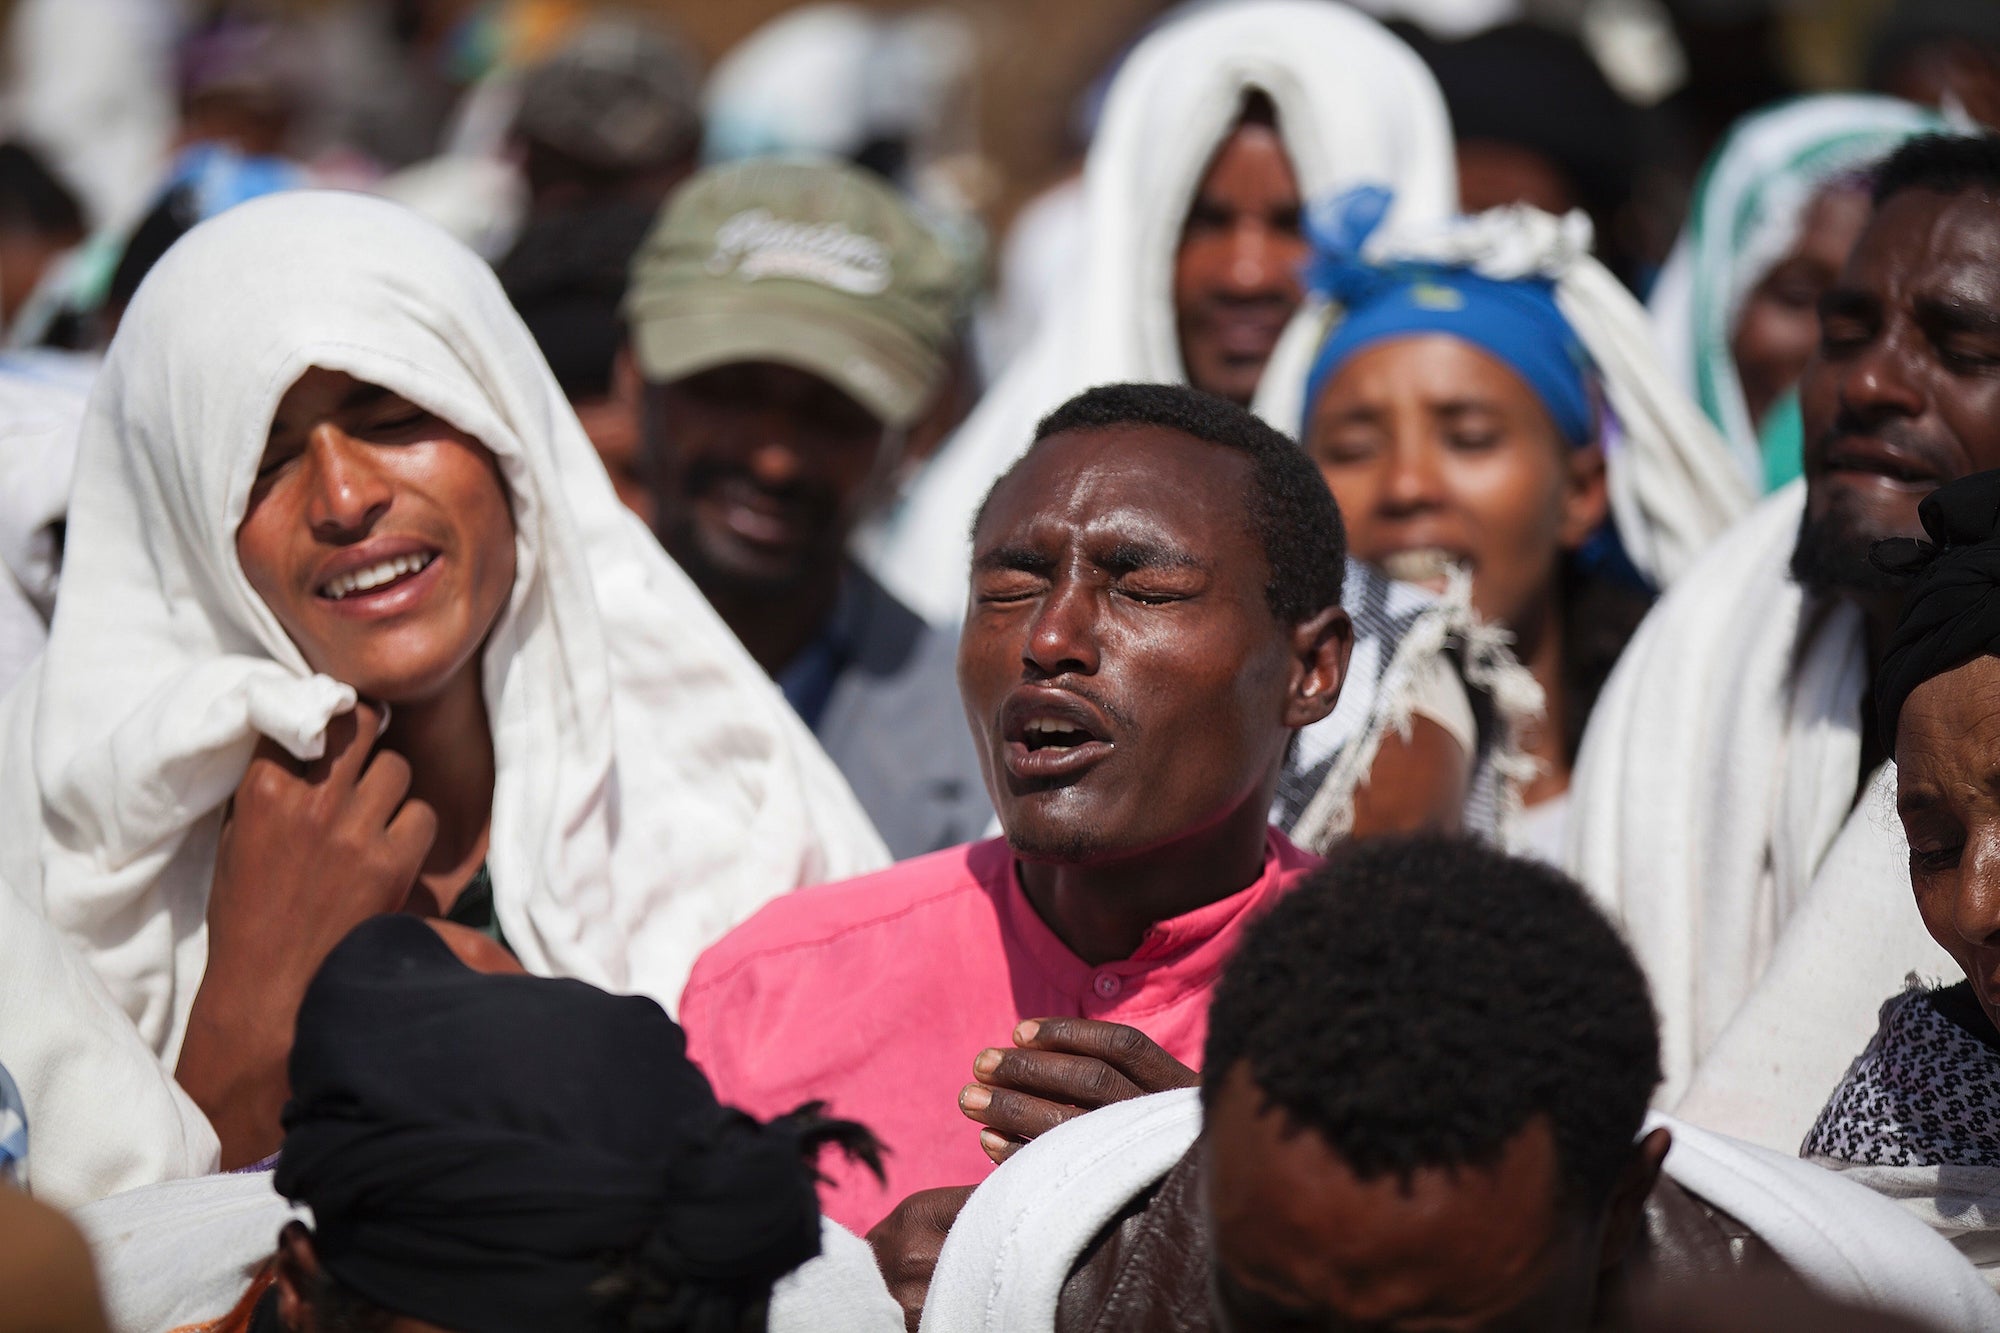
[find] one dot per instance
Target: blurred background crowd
(528, 125)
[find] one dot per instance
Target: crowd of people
(595, 734)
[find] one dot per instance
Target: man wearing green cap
(791, 321)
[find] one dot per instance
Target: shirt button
(1107, 986)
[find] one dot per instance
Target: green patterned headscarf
(1744, 218)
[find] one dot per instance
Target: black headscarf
(511, 1154)
(1952, 613)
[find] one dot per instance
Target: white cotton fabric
(1745, 217)
(1714, 817)
(1023, 1230)
(41, 409)
(1416, 653)
(1355, 106)
(102, 1113)
(1845, 1240)
(1019, 1235)
(652, 787)
(185, 1252)
(1673, 486)
(1959, 1203)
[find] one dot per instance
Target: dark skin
(1302, 1242)
(1129, 688)
(1778, 330)
(1439, 453)
(1904, 394)
(612, 423)
(355, 483)
(1236, 273)
(1417, 783)
(1948, 794)
(759, 473)
(1118, 598)
(1058, 1069)
(46, 1269)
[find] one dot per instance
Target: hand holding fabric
(908, 1241)
(307, 851)
(1059, 1069)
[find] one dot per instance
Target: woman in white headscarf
(1350, 104)
(328, 490)
(1736, 308)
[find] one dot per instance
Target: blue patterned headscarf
(1515, 321)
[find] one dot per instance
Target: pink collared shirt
(874, 995)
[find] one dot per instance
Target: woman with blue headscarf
(1468, 430)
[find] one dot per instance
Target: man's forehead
(1921, 240)
(1138, 470)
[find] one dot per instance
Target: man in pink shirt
(1155, 610)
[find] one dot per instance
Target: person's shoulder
(880, 910)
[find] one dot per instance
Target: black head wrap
(512, 1154)
(1952, 613)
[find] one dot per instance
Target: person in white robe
(1775, 211)
(1352, 105)
(1423, 1099)
(650, 788)
(1731, 806)
(41, 409)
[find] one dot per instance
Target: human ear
(1626, 1211)
(297, 1275)
(1320, 646)
(1586, 495)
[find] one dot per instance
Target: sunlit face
(1304, 1245)
(1778, 329)
(1237, 272)
(1948, 794)
(1904, 392)
(760, 472)
(380, 536)
(1120, 666)
(1439, 455)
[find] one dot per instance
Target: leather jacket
(1147, 1271)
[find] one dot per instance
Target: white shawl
(1714, 818)
(652, 787)
(1018, 1237)
(103, 1115)
(183, 1253)
(1354, 106)
(1673, 487)
(1745, 216)
(41, 407)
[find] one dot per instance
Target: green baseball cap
(810, 264)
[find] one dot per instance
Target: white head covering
(1673, 488)
(41, 406)
(1355, 106)
(652, 788)
(1745, 216)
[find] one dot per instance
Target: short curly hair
(1296, 520)
(1943, 164)
(1418, 1000)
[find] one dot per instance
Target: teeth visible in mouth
(375, 575)
(1046, 733)
(1423, 565)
